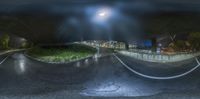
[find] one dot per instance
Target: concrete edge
(10, 51)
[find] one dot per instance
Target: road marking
(4, 59)
(155, 77)
(197, 61)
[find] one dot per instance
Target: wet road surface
(22, 77)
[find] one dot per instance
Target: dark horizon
(69, 20)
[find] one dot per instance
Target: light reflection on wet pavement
(97, 76)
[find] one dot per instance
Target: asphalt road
(105, 77)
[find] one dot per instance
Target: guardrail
(156, 57)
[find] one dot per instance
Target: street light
(104, 13)
(101, 15)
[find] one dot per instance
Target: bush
(60, 54)
(180, 44)
(4, 41)
(194, 40)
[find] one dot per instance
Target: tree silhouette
(4, 41)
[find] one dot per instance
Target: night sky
(47, 21)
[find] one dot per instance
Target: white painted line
(4, 59)
(197, 61)
(155, 77)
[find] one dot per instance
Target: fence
(156, 57)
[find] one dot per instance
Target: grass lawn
(61, 54)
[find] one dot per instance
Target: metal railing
(158, 57)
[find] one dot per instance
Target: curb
(10, 51)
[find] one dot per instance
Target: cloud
(128, 5)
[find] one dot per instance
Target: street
(22, 77)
